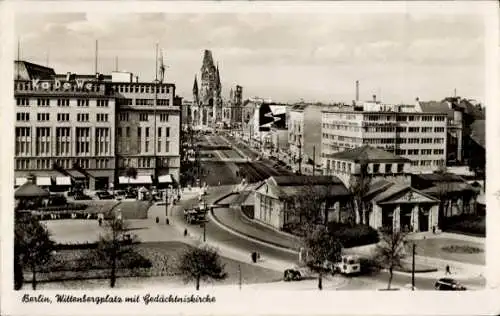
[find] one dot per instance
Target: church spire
(218, 76)
(195, 85)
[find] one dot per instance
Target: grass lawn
(164, 257)
(134, 209)
(432, 247)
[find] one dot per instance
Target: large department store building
(90, 128)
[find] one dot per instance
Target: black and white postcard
(249, 157)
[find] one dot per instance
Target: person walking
(448, 270)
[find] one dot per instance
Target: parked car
(57, 200)
(81, 197)
(296, 274)
(120, 194)
(448, 284)
(104, 195)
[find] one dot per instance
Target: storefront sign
(60, 85)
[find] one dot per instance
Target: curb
(249, 238)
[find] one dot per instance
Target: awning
(63, 181)
(43, 181)
(21, 181)
(141, 179)
(165, 179)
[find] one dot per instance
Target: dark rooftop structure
(367, 153)
(478, 132)
(24, 70)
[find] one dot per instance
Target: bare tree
(115, 245)
(322, 248)
(32, 247)
(359, 186)
(390, 251)
(201, 264)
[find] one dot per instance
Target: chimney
(68, 76)
(137, 79)
(374, 98)
(357, 90)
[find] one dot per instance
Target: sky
(286, 57)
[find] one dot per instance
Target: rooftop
(297, 180)
(367, 154)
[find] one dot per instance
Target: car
(104, 195)
(449, 284)
(296, 274)
(120, 194)
(81, 197)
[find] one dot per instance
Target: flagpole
(155, 142)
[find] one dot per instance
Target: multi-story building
(63, 123)
(232, 108)
(402, 130)
(91, 128)
(147, 135)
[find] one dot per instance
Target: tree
(32, 248)
(390, 251)
(203, 263)
(321, 247)
(359, 187)
(115, 245)
(131, 172)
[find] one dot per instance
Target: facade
(461, 116)
(63, 123)
(232, 109)
(89, 128)
(270, 208)
(401, 207)
(381, 165)
(207, 99)
(402, 130)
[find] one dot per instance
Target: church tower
(209, 95)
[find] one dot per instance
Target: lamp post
(413, 268)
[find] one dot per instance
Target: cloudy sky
(283, 56)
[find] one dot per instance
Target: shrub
(462, 249)
(353, 235)
(466, 224)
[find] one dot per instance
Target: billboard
(271, 115)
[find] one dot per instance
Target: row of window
(385, 129)
(151, 102)
(404, 118)
(61, 117)
(45, 102)
(141, 88)
(428, 163)
(143, 117)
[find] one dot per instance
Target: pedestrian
(434, 229)
(448, 271)
(185, 232)
(167, 221)
(100, 221)
(157, 219)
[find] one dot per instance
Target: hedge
(353, 235)
(465, 224)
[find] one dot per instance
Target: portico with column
(404, 208)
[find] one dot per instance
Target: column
(460, 206)
(415, 218)
(396, 219)
(433, 217)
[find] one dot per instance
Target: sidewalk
(235, 222)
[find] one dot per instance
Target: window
(101, 117)
(413, 152)
(167, 146)
(21, 116)
(42, 141)
(400, 151)
(147, 131)
(414, 129)
(146, 145)
(426, 129)
(163, 102)
(439, 118)
(124, 101)
(413, 140)
(388, 168)
(376, 168)
(401, 118)
(82, 102)
(22, 102)
(438, 129)
(438, 151)
(411, 118)
(43, 117)
(401, 129)
(23, 141)
(82, 117)
(123, 117)
(119, 132)
(427, 118)
(159, 145)
(426, 151)
(143, 117)
(164, 118)
(43, 102)
(127, 129)
(139, 132)
(438, 140)
(62, 102)
(102, 103)
(82, 141)
(63, 143)
(401, 167)
(63, 117)
(159, 131)
(102, 146)
(167, 132)
(426, 140)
